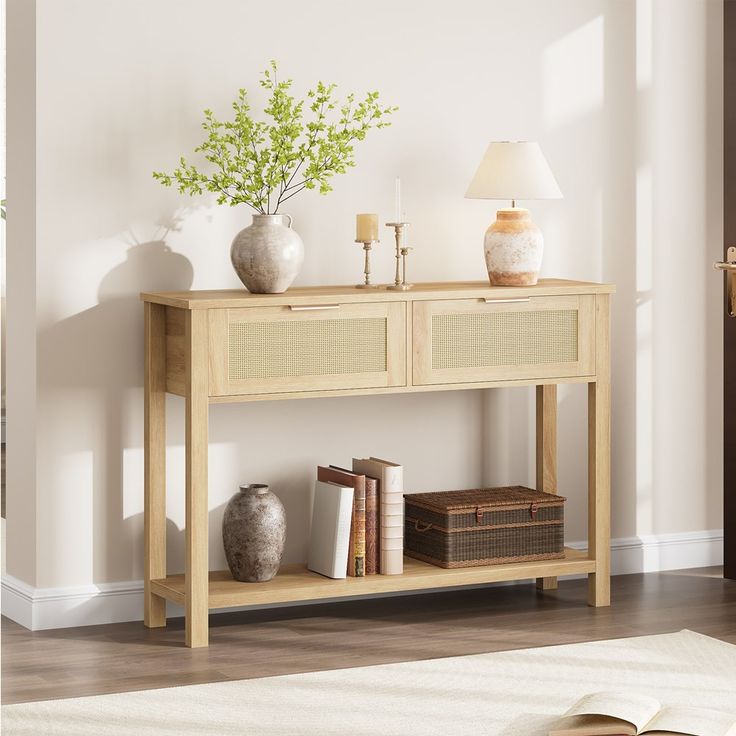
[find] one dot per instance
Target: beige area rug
(515, 693)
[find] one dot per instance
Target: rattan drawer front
(470, 340)
(504, 338)
(328, 347)
(324, 347)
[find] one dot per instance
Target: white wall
(624, 98)
(21, 338)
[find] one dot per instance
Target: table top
(235, 298)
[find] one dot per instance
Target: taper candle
(366, 228)
(397, 212)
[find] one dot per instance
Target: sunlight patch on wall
(223, 478)
(572, 74)
(132, 481)
(71, 508)
(645, 388)
(645, 352)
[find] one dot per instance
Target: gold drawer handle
(517, 300)
(312, 307)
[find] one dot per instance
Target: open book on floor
(625, 714)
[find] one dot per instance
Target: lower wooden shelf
(296, 583)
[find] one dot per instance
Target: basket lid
(486, 497)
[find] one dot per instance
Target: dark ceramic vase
(254, 533)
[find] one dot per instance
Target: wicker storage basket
(483, 526)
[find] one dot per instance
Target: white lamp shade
(515, 170)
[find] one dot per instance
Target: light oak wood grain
(197, 409)
(296, 583)
(154, 438)
(238, 298)
(198, 365)
(175, 327)
(394, 375)
(550, 380)
(425, 373)
(546, 435)
(218, 352)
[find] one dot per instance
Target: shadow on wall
(108, 367)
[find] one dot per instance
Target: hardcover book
(329, 535)
(356, 551)
(372, 526)
(391, 488)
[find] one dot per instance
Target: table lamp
(513, 243)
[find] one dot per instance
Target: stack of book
(358, 520)
(390, 481)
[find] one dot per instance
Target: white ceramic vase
(513, 249)
(267, 255)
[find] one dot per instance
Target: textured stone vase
(254, 533)
(267, 255)
(513, 248)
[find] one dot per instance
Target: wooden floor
(120, 657)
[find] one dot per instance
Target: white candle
(397, 213)
(366, 228)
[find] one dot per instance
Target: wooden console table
(223, 346)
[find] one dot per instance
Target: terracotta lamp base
(513, 249)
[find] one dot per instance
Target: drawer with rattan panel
(296, 349)
(470, 340)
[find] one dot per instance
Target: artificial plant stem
(293, 194)
(310, 143)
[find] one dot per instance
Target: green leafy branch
(264, 164)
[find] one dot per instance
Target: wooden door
(729, 323)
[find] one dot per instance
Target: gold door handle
(729, 266)
(312, 307)
(515, 300)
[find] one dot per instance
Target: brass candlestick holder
(367, 246)
(404, 253)
(401, 252)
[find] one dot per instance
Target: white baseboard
(17, 601)
(58, 608)
(661, 552)
(81, 605)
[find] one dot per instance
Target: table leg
(547, 453)
(599, 463)
(197, 521)
(154, 449)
